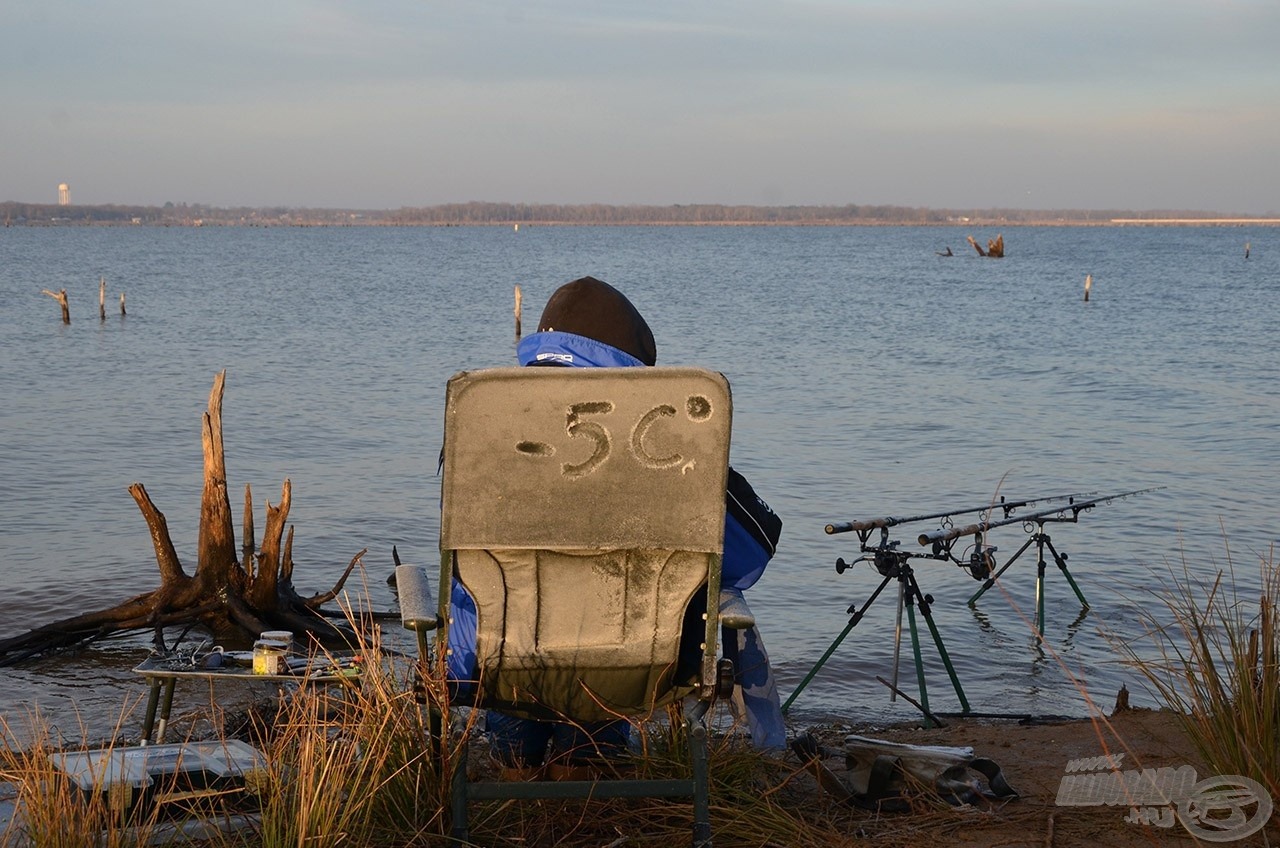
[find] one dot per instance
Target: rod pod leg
(925, 610)
(856, 614)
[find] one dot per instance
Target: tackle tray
(155, 774)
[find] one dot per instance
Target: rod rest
(734, 612)
(417, 606)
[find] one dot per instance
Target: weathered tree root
(232, 600)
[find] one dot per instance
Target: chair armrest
(734, 612)
(417, 606)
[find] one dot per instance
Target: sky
(381, 104)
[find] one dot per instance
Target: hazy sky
(1133, 104)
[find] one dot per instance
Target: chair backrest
(583, 509)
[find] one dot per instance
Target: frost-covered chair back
(583, 510)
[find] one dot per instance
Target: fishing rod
(947, 534)
(892, 564)
(890, 521)
(895, 564)
(981, 563)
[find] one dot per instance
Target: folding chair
(583, 510)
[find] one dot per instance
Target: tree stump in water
(995, 247)
(61, 297)
(232, 600)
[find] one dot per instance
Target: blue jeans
(522, 743)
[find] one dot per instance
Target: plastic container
(269, 658)
(284, 637)
(148, 774)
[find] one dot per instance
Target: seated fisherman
(589, 324)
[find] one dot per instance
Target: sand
(1034, 759)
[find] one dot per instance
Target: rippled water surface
(871, 377)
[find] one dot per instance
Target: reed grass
(346, 765)
(355, 767)
(1217, 667)
(49, 812)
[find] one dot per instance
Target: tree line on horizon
(487, 213)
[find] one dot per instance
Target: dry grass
(359, 771)
(56, 814)
(1218, 668)
(330, 785)
(351, 768)
(346, 765)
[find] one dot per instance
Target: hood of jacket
(589, 323)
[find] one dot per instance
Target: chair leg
(459, 829)
(697, 730)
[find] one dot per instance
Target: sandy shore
(1034, 759)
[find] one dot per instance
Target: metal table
(163, 673)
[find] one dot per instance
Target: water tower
(64, 194)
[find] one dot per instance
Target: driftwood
(995, 247)
(232, 600)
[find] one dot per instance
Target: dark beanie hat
(592, 308)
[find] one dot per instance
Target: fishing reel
(888, 560)
(981, 561)
(885, 558)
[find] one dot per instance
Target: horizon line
(1186, 213)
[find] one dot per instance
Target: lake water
(871, 377)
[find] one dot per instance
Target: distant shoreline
(1197, 222)
(1117, 222)
(516, 215)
